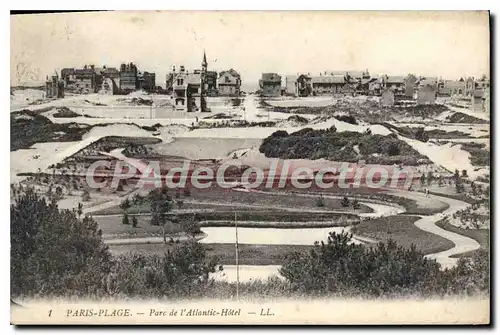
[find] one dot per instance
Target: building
(270, 85)
(83, 80)
(128, 77)
(146, 81)
(470, 86)
(291, 85)
(451, 87)
(211, 83)
(395, 83)
(480, 100)
(328, 85)
(54, 88)
(427, 92)
(410, 85)
(229, 83)
(387, 98)
(375, 86)
(304, 85)
(188, 89)
(107, 80)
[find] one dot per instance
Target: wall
(426, 95)
(270, 89)
(228, 90)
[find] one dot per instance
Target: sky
(446, 44)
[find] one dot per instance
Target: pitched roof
(336, 73)
(193, 78)
(425, 82)
(328, 80)
(230, 71)
(272, 77)
(355, 74)
(395, 79)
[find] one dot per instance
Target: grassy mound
(344, 147)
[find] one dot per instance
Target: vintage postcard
(211, 167)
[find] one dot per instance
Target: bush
(53, 253)
(320, 202)
(347, 118)
(125, 219)
(313, 144)
(421, 135)
(339, 266)
(345, 202)
(134, 221)
(85, 195)
(183, 272)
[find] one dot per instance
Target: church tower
(204, 84)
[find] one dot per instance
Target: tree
(125, 219)
(125, 204)
(341, 267)
(161, 204)
(422, 179)
(430, 178)
(80, 210)
(345, 202)
(421, 135)
(86, 195)
(440, 181)
(459, 186)
(190, 225)
(52, 252)
(182, 272)
(134, 221)
(320, 202)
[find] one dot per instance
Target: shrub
(53, 253)
(345, 202)
(320, 202)
(347, 118)
(125, 219)
(421, 135)
(85, 195)
(134, 221)
(338, 266)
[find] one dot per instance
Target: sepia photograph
(250, 167)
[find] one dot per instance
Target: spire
(204, 63)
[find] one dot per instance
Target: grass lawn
(411, 205)
(482, 236)
(235, 198)
(112, 226)
(248, 254)
(402, 230)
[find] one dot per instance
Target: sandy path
(462, 243)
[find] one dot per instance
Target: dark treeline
(58, 253)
